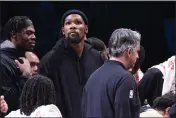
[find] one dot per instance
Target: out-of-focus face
(133, 56)
(34, 62)
(74, 28)
(26, 38)
(104, 53)
(136, 67)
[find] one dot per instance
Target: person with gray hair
(111, 90)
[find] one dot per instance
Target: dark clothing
(172, 112)
(69, 74)
(150, 86)
(11, 78)
(111, 92)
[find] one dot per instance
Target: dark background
(154, 20)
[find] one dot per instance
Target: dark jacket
(111, 92)
(69, 74)
(150, 86)
(11, 79)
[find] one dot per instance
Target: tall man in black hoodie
(18, 35)
(111, 91)
(70, 63)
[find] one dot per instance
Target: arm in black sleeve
(150, 85)
(122, 97)
(9, 88)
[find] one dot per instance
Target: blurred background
(154, 20)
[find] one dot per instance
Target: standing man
(15, 69)
(111, 91)
(33, 60)
(70, 63)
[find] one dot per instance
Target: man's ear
(63, 31)
(129, 52)
(86, 29)
(13, 35)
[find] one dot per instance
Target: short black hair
(15, 24)
(38, 90)
(162, 102)
(96, 43)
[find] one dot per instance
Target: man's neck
(20, 50)
(119, 59)
(78, 48)
(14, 42)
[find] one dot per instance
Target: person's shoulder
(153, 72)
(47, 111)
(150, 113)
(15, 114)
(6, 62)
(94, 54)
(128, 76)
(91, 49)
(122, 77)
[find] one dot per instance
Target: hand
(3, 105)
(25, 68)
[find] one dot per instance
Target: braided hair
(15, 25)
(38, 90)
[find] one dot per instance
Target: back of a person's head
(121, 40)
(37, 91)
(96, 43)
(15, 25)
(165, 101)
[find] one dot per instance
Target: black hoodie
(11, 79)
(69, 74)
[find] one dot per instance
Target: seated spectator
(37, 99)
(161, 106)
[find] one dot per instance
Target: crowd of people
(80, 76)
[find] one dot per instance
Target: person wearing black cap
(18, 35)
(70, 63)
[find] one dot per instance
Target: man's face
(74, 28)
(133, 56)
(26, 38)
(34, 62)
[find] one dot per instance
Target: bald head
(33, 60)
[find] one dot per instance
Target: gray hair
(121, 40)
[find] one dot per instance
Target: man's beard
(73, 38)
